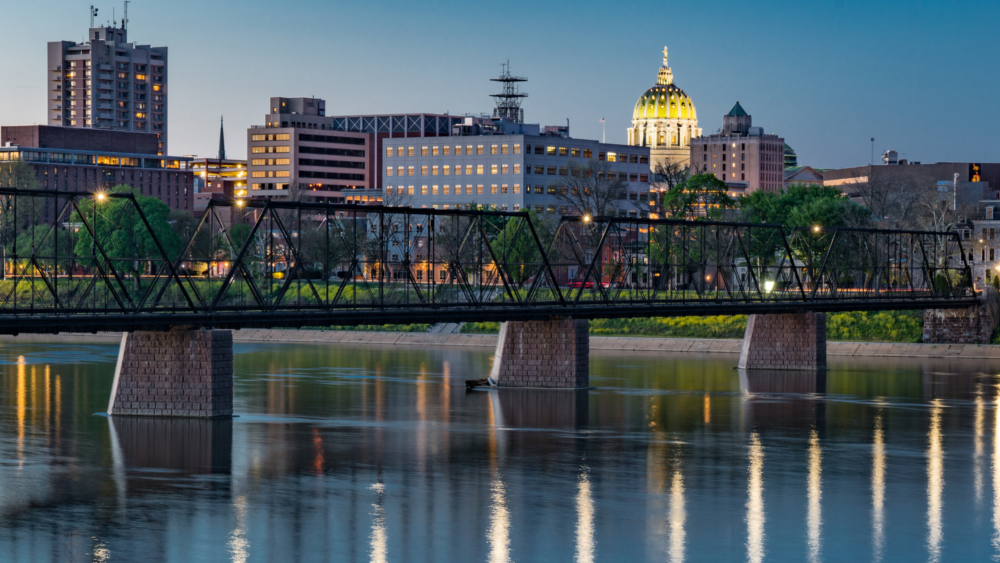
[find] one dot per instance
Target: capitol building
(665, 121)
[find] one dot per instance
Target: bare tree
(593, 188)
(892, 197)
(667, 175)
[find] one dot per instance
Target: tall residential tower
(109, 83)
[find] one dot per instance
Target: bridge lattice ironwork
(100, 261)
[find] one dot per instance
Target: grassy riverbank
(860, 326)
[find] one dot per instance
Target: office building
(742, 156)
(84, 160)
(503, 172)
(108, 83)
(915, 173)
(664, 120)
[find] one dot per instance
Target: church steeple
(222, 140)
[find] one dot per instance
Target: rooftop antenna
(125, 19)
(509, 99)
(93, 14)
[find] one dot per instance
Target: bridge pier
(786, 341)
(553, 354)
(176, 373)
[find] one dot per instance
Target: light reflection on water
(379, 454)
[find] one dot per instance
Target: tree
(803, 206)
(890, 195)
(18, 174)
(592, 188)
(701, 196)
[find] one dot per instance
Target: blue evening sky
(921, 77)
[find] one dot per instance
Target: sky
(921, 77)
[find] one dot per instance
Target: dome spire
(665, 76)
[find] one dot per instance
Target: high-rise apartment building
(108, 83)
(742, 156)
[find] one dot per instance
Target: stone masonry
(974, 325)
(788, 341)
(177, 373)
(554, 354)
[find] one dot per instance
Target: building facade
(742, 156)
(214, 177)
(502, 172)
(665, 121)
(72, 161)
(108, 83)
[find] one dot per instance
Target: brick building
(83, 160)
(742, 156)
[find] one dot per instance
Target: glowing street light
(768, 286)
(100, 196)
(586, 218)
(816, 228)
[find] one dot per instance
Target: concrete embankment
(609, 343)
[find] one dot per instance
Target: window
(551, 151)
(388, 170)
(517, 148)
(258, 174)
(468, 189)
(468, 150)
(539, 189)
(399, 151)
(252, 137)
(399, 171)
(447, 188)
(587, 153)
(409, 151)
(479, 149)
(643, 177)
(409, 190)
(447, 168)
(388, 152)
(575, 153)
(282, 137)
(539, 149)
(563, 151)
(643, 160)
(258, 150)
(633, 177)
(600, 156)
(257, 162)
(479, 169)
(447, 151)
(468, 169)
(992, 257)
(551, 171)
(493, 169)
(989, 212)
(282, 161)
(503, 149)
(503, 169)
(493, 188)
(281, 174)
(409, 171)
(539, 169)
(612, 157)
(493, 149)
(563, 171)
(423, 190)
(517, 169)
(517, 189)
(434, 151)
(434, 170)
(479, 189)
(282, 149)
(503, 188)
(423, 151)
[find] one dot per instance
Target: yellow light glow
(816, 228)
(239, 203)
(100, 196)
(768, 286)
(586, 218)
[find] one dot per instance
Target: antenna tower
(509, 99)
(93, 14)
(125, 18)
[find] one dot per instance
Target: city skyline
(826, 78)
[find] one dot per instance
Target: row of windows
(275, 137)
(269, 174)
(447, 150)
(447, 190)
(263, 150)
(270, 162)
(446, 169)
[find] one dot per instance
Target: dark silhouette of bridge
(100, 261)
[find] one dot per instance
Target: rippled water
(379, 454)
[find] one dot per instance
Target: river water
(379, 454)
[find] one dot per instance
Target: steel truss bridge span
(115, 261)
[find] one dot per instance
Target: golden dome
(665, 100)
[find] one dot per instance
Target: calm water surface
(379, 454)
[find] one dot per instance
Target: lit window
(447, 168)
(434, 151)
(503, 188)
(517, 148)
(493, 149)
(563, 151)
(434, 171)
(399, 171)
(468, 189)
(479, 149)
(447, 189)
(458, 170)
(551, 151)
(612, 157)
(468, 150)
(409, 190)
(517, 169)
(493, 169)
(388, 151)
(282, 173)
(447, 151)
(493, 188)
(388, 170)
(479, 169)
(479, 189)
(587, 153)
(517, 190)
(434, 189)
(399, 151)
(409, 171)
(468, 169)
(409, 151)
(423, 170)
(503, 149)
(575, 153)
(281, 161)
(503, 169)
(423, 190)
(281, 149)
(257, 162)
(458, 150)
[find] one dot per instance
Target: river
(366, 453)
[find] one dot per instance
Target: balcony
(103, 96)
(103, 76)
(104, 67)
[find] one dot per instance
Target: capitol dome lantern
(665, 120)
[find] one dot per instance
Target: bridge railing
(71, 253)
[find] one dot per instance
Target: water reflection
(878, 487)
(935, 483)
(670, 458)
(755, 501)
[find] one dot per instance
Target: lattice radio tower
(509, 100)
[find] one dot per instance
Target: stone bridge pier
(794, 341)
(551, 354)
(176, 373)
